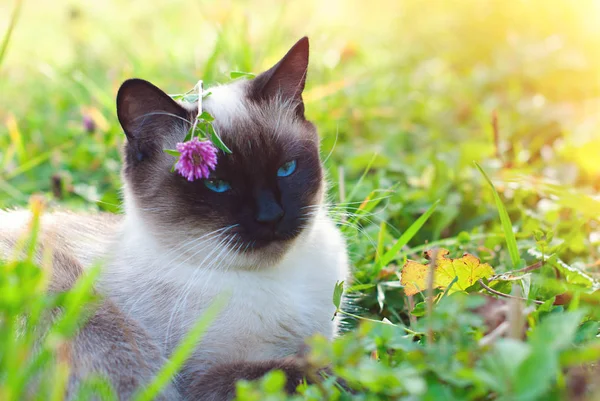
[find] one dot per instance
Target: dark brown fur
(218, 384)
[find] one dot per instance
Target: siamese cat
(256, 229)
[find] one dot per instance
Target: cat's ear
(147, 112)
(286, 79)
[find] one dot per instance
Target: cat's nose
(270, 215)
(268, 210)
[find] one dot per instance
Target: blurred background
(409, 92)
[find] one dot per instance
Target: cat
(256, 230)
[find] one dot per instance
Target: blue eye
(287, 169)
(217, 185)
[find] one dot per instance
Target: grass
(406, 98)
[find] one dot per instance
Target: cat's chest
(266, 316)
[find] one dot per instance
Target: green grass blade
(36, 161)
(362, 177)
(183, 350)
(408, 235)
(60, 380)
(366, 206)
(11, 26)
(511, 241)
(380, 240)
(241, 74)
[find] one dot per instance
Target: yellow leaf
(468, 269)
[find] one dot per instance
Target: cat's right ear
(147, 115)
(286, 79)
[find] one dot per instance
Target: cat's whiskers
(189, 285)
(195, 250)
(234, 251)
(339, 214)
(346, 215)
(200, 242)
(224, 258)
(207, 281)
(354, 226)
(342, 204)
(218, 259)
(197, 245)
(165, 265)
(333, 209)
(205, 237)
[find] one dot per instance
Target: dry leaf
(468, 269)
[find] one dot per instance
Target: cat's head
(259, 199)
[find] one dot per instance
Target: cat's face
(259, 199)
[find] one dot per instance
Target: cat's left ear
(143, 107)
(286, 79)
(148, 116)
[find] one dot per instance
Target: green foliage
(9, 30)
(405, 101)
(383, 361)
